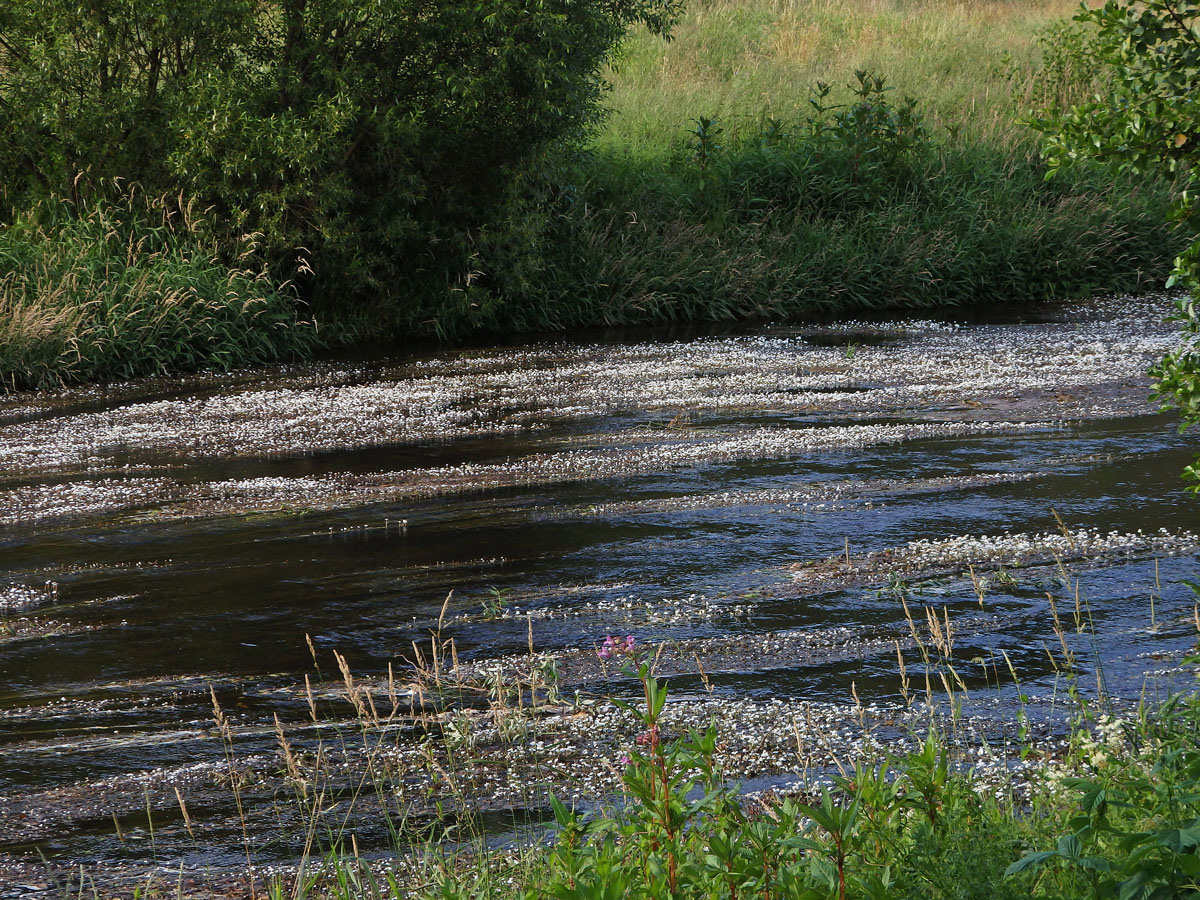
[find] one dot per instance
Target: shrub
(367, 143)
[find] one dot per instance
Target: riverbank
(131, 287)
(745, 173)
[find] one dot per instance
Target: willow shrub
(134, 286)
(366, 142)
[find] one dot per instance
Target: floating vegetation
(823, 495)
(670, 491)
(925, 558)
(184, 498)
(932, 380)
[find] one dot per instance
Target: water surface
(162, 542)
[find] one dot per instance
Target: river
(757, 507)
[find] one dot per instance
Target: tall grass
(411, 758)
(1117, 813)
(754, 168)
(975, 65)
(133, 286)
(851, 206)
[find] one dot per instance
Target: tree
(1148, 119)
(368, 141)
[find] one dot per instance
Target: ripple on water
(662, 488)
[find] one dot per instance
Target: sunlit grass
(971, 64)
(132, 287)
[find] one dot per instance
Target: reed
(133, 286)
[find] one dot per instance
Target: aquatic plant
(406, 758)
(495, 602)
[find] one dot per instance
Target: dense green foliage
(1122, 813)
(111, 289)
(366, 142)
(1119, 811)
(420, 169)
(687, 832)
(1147, 120)
(850, 206)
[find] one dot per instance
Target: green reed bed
(848, 206)
(130, 287)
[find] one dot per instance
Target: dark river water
(736, 497)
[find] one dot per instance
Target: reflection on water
(156, 550)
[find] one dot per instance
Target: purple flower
(615, 646)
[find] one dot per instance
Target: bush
(367, 143)
(921, 825)
(849, 208)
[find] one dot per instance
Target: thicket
(1147, 121)
(365, 143)
(422, 169)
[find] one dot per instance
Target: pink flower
(615, 646)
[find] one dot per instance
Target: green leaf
(1033, 860)
(562, 815)
(1135, 887)
(1179, 839)
(1069, 847)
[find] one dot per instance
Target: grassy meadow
(745, 172)
(976, 67)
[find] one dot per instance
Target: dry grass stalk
(978, 583)
(704, 679)
(187, 819)
(1068, 655)
(903, 676)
